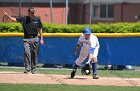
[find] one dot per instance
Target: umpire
(31, 27)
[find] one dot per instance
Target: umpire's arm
(41, 36)
(10, 17)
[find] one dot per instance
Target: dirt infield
(19, 78)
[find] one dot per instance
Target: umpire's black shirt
(30, 26)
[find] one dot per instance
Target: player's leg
(75, 66)
(83, 55)
(27, 56)
(94, 64)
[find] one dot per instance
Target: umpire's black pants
(31, 54)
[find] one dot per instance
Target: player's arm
(77, 48)
(90, 57)
(10, 17)
(78, 45)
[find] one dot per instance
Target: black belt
(29, 37)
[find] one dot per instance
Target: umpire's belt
(27, 37)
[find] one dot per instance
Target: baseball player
(90, 46)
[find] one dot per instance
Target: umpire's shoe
(33, 72)
(95, 77)
(73, 73)
(27, 71)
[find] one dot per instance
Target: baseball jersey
(92, 42)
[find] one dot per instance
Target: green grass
(102, 73)
(46, 87)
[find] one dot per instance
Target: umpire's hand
(41, 42)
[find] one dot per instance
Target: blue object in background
(57, 50)
(120, 51)
(11, 49)
(60, 50)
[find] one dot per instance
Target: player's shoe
(73, 73)
(95, 77)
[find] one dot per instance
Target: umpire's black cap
(32, 10)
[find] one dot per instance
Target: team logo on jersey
(35, 22)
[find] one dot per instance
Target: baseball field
(13, 79)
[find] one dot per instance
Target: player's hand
(88, 63)
(41, 42)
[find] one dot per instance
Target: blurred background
(75, 11)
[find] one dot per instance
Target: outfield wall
(115, 48)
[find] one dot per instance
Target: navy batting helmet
(87, 30)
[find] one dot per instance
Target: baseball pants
(84, 54)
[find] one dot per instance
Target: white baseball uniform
(92, 42)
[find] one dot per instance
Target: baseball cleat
(95, 77)
(73, 74)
